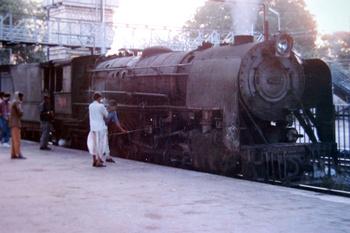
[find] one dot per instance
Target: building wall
(84, 3)
(64, 53)
(83, 10)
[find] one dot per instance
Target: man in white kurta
(97, 138)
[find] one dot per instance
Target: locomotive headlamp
(284, 45)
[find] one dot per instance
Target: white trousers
(107, 151)
(97, 142)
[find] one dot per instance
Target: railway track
(323, 190)
(308, 187)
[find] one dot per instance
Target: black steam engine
(225, 109)
(222, 109)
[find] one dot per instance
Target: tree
(335, 48)
(212, 16)
(295, 20)
(21, 53)
(26, 7)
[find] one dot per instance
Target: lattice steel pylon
(178, 39)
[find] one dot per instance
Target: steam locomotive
(222, 109)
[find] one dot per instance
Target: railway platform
(59, 191)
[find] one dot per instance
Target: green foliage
(335, 48)
(212, 16)
(21, 53)
(27, 7)
(28, 54)
(295, 20)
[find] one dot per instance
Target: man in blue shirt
(4, 118)
(112, 116)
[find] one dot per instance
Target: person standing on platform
(97, 138)
(45, 120)
(15, 125)
(4, 118)
(113, 118)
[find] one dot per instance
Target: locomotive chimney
(266, 31)
(243, 39)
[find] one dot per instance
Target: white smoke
(244, 16)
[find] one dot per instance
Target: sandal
(100, 165)
(94, 164)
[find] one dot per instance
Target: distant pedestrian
(2, 94)
(1, 99)
(112, 119)
(16, 125)
(4, 118)
(97, 138)
(45, 120)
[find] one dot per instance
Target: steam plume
(244, 16)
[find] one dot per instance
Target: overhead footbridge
(29, 30)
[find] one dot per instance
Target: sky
(331, 15)
(156, 12)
